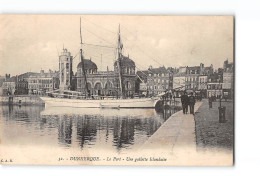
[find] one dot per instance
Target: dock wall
(21, 100)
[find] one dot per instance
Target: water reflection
(115, 129)
(65, 131)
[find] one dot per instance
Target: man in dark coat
(192, 103)
(185, 102)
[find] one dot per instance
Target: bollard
(222, 112)
(210, 103)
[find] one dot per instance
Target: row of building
(30, 83)
(199, 79)
(98, 82)
(150, 82)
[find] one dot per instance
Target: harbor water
(119, 130)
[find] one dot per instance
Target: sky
(34, 42)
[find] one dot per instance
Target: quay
(176, 140)
(21, 100)
(175, 135)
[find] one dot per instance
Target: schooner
(75, 99)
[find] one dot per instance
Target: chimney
(201, 68)
(7, 76)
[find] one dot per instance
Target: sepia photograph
(153, 90)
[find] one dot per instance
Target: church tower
(65, 69)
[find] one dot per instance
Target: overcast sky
(33, 42)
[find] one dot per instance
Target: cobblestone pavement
(210, 134)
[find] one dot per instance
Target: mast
(107, 82)
(82, 61)
(119, 52)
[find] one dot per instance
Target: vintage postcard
(116, 90)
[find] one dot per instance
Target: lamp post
(220, 87)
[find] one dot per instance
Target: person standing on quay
(185, 102)
(192, 103)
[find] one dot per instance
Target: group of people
(188, 101)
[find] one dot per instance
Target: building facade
(179, 82)
(202, 85)
(214, 89)
(159, 80)
(141, 82)
(22, 83)
(128, 76)
(215, 85)
(228, 80)
(41, 83)
(65, 70)
(192, 79)
(107, 82)
(2, 79)
(9, 85)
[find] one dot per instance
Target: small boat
(109, 106)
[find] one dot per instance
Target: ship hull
(105, 103)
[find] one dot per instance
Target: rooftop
(158, 70)
(142, 74)
(88, 64)
(126, 62)
(12, 79)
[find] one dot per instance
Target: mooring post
(210, 102)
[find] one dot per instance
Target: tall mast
(82, 61)
(107, 81)
(119, 52)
